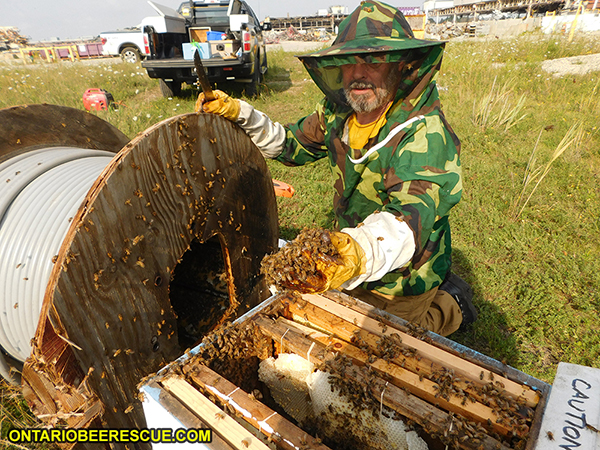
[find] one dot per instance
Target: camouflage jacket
(415, 175)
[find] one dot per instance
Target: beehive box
(329, 371)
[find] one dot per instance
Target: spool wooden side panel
(191, 176)
(26, 127)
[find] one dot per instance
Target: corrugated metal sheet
(41, 192)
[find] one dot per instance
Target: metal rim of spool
(105, 308)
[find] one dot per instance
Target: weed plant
(535, 274)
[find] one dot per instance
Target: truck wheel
(170, 88)
(252, 88)
(130, 55)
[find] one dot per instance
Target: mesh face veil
(373, 33)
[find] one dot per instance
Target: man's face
(370, 86)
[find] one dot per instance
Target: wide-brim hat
(374, 33)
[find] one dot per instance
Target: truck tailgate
(181, 63)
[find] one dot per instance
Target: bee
(257, 394)
(591, 427)
(550, 435)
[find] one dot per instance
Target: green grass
(536, 278)
(14, 413)
(536, 275)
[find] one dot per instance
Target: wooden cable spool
(189, 189)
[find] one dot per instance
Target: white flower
(148, 116)
(135, 118)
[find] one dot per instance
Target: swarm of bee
(361, 395)
(344, 427)
(418, 332)
(295, 267)
(234, 352)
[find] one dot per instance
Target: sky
(71, 19)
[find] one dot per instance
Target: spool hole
(199, 291)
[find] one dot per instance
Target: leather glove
(223, 105)
(331, 271)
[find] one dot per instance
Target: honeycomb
(310, 398)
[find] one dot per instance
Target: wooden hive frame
(442, 386)
(107, 319)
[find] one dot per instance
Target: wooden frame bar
(352, 320)
(428, 416)
(187, 418)
(419, 364)
(263, 418)
(227, 427)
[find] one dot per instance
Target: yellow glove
(351, 262)
(331, 272)
(223, 105)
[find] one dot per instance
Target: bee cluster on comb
(295, 267)
(347, 377)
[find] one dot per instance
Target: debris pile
(445, 30)
(11, 35)
(292, 34)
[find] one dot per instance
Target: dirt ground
(573, 65)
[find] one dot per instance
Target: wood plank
(461, 367)
(431, 418)
(491, 365)
(308, 331)
(263, 418)
(419, 364)
(221, 423)
(420, 386)
(187, 418)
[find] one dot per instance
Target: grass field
(525, 232)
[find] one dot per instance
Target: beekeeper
(395, 159)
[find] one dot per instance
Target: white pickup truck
(226, 33)
(129, 43)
